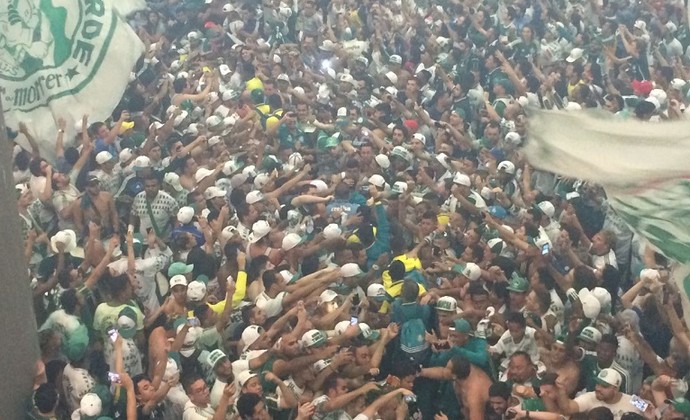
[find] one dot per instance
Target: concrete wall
(17, 321)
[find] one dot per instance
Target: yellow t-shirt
(237, 297)
(394, 289)
(253, 84)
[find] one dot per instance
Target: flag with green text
(643, 167)
(64, 58)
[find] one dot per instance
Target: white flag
(64, 58)
(643, 167)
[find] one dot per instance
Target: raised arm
(35, 151)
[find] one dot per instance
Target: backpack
(413, 340)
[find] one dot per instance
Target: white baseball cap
(347, 78)
(202, 173)
(295, 159)
(244, 377)
(213, 192)
(90, 405)
(447, 304)
(332, 231)
(260, 229)
(224, 68)
(260, 180)
(320, 185)
(383, 161)
(142, 162)
(173, 179)
(392, 77)
(254, 197)
(290, 241)
(462, 179)
(590, 334)
(214, 140)
(103, 157)
(314, 338)
(185, 215)
(547, 208)
(603, 296)
(250, 335)
(350, 270)
(472, 271)
(399, 187)
(231, 167)
(196, 291)
(677, 84)
(250, 171)
(341, 326)
(126, 154)
(513, 138)
(419, 137)
(506, 166)
(497, 245)
(376, 291)
(377, 180)
(575, 54)
(590, 304)
(326, 296)
(650, 274)
(609, 377)
(178, 280)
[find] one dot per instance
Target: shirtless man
(471, 385)
(96, 206)
(561, 364)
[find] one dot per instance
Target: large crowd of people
(319, 210)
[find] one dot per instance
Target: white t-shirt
(588, 401)
(557, 305)
(76, 382)
(507, 346)
(61, 322)
(600, 261)
(192, 412)
(628, 357)
(131, 356)
(272, 306)
(145, 274)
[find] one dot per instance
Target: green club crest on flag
(64, 59)
(51, 48)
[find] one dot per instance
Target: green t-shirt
(589, 368)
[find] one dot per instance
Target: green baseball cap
(127, 322)
(314, 338)
(461, 326)
(447, 304)
(271, 162)
(368, 334)
(179, 268)
(76, 344)
(216, 356)
(257, 95)
(518, 284)
(681, 405)
(325, 141)
(202, 278)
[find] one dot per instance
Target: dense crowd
(321, 210)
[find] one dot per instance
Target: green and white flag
(643, 167)
(64, 58)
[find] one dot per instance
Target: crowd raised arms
(328, 210)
